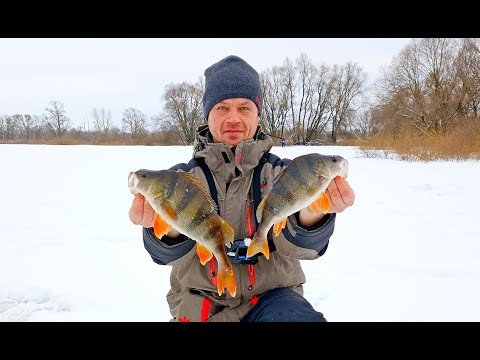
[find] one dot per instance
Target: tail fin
(258, 244)
(226, 279)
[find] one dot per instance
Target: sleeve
(166, 250)
(305, 243)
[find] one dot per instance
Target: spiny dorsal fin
(190, 177)
(279, 175)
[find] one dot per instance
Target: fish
(181, 202)
(300, 184)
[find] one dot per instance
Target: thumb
(136, 210)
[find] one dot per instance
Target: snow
(406, 251)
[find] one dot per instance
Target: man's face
(233, 120)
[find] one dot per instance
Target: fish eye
(144, 176)
(334, 158)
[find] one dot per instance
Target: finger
(136, 210)
(345, 192)
(148, 214)
(334, 195)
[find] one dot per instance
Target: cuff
(167, 240)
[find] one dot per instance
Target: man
(231, 154)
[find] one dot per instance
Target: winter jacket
(193, 294)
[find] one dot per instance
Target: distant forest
(426, 101)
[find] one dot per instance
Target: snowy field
(406, 251)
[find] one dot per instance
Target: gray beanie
(231, 77)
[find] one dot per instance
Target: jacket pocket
(191, 306)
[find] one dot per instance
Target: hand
(141, 212)
(341, 196)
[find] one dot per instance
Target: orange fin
(277, 228)
(226, 279)
(203, 253)
(322, 203)
(160, 226)
(258, 245)
(169, 210)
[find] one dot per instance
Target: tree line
(431, 86)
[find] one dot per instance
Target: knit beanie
(231, 77)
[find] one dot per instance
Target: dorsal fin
(190, 177)
(279, 175)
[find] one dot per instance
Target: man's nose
(233, 117)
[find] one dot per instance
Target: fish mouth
(343, 168)
(131, 182)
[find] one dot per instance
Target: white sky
(118, 73)
(406, 251)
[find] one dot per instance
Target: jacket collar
(225, 159)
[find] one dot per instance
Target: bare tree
(3, 127)
(422, 85)
(320, 111)
(134, 122)
(183, 111)
(276, 102)
(102, 119)
(290, 83)
(3, 122)
(26, 125)
(364, 126)
(56, 119)
(312, 96)
(349, 83)
(9, 127)
(306, 76)
(468, 71)
(445, 97)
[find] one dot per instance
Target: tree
(56, 119)
(422, 86)
(102, 120)
(275, 101)
(26, 125)
(183, 111)
(134, 122)
(348, 86)
(468, 70)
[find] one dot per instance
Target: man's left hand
(341, 196)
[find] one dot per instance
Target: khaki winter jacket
(193, 294)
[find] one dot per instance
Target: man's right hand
(141, 212)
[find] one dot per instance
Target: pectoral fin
(322, 203)
(160, 226)
(277, 228)
(203, 253)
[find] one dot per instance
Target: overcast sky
(118, 73)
